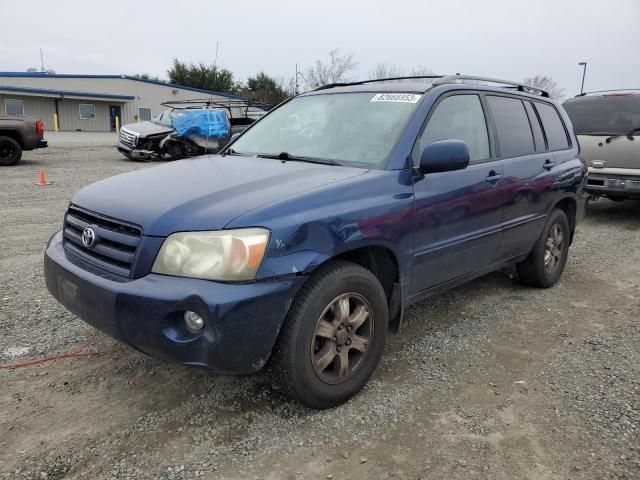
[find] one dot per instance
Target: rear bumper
(242, 321)
(42, 144)
(624, 183)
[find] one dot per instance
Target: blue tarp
(204, 123)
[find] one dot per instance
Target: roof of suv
(420, 84)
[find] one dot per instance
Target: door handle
(548, 164)
(493, 176)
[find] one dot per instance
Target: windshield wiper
(284, 156)
(629, 135)
(231, 151)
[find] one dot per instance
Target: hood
(144, 129)
(619, 153)
(203, 193)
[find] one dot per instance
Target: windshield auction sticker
(396, 97)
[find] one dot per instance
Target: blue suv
(304, 241)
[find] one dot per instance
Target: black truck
(19, 133)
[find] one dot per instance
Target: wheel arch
(569, 206)
(14, 134)
(383, 262)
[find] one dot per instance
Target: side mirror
(444, 156)
(234, 136)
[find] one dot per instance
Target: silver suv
(608, 126)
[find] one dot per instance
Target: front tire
(545, 264)
(10, 151)
(333, 337)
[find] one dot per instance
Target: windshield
(166, 118)
(608, 115)
(353, 129)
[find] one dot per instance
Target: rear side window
(553, 127)
(512, 125)
(538, 137)
(457, 117)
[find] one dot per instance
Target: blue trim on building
(65, 93)
(124, 77)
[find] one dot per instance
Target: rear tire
(545, 264)
(10, 151)
(333, 337)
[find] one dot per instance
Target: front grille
(115, 242)
(128, 139)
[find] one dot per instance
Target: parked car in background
(188, 128)
(17, 134)
(300, 246)
(608, 128)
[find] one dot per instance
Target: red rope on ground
(80, 352)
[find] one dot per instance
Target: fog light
(193, 321)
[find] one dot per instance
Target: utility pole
(41, 61)
(296, 91)
(584, 72)
(215, 64)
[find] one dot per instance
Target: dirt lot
(489, 381)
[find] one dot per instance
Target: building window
(87, 111)
(13, 107)
(144, 114)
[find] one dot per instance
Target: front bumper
(136, 153)
(242, 321)
(618, 184)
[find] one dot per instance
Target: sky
(503, 39)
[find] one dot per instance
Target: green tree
(207, 77)
(266, 89)
(146, 76)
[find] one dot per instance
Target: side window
(553, 127)
(13, 107)
(457, 117)
(512, 125)
(87, 111)
(535, 126)
(144, 114)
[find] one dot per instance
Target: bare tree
(384, 70)
(337, 70)
(421, 71)
(547, 84)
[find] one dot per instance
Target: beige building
(90, 102)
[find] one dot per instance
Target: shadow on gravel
(615, 213)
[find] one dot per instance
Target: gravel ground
(491, 380)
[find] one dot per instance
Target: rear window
(607, 115)
(553, 127)
(512, 125)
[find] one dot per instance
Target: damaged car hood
(204, 193)
(145, 129)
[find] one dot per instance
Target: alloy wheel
(553, 248)
(342, 338)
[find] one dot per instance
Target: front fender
(375, 209)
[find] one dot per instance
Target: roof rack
(518, 86)
(210, 102)
(621, 90)
(374, 80)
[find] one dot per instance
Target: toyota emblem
(88, 237)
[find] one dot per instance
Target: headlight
(225, 255)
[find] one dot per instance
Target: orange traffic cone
(42, 179)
